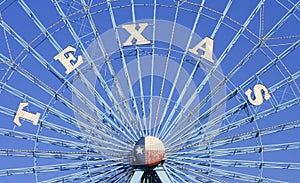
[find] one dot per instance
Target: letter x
(137, 34)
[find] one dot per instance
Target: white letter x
(137, 34)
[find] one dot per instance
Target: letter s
(258, 94)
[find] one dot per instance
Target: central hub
(148, 151)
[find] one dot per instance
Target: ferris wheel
(149, 91)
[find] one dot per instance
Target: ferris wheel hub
(149, 151)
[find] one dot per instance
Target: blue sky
(239, 58)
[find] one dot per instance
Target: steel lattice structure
(149, 91)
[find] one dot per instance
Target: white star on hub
(149, 151)
(139, 150)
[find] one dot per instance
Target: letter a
(66, 57)
(206, 45)
(258, 94)
(137, 34)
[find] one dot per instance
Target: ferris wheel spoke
(242, 150)
(68, 103)
(274, 29)
(91, 137)
(226, 173)
(254, 149)
(91, 134)
(123, 176)
(100, 174)
(285, 68)
(177, 173)
(85, 156)
(255, 164)
(115, 178)
(66, 118)
(278, 107)
(127, 75)
(196, 65)
(114, 101)
(231, 119)
(170, 172)
(243, 85)
(221, 19)
(282, 20)
(38, 23)
(243, 137)
(78, 175)
(118, 173)
(191, 134)
(242, 163)
(187, 132)
(46, 88)
(245, 121)
(216, 65)
(60, 142)
(46, 168)
(199, 175)
(168, 125)
(241, 176)
(86, 82)
(256, 133)
(285, 7)
(152, 131)
(117, 123)
(104, 175)
(209, 96)
(156, 123)
(69, 178)
(109, 112)
(142, 97)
